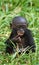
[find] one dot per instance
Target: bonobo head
(19, 23)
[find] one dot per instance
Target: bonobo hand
(17, 38)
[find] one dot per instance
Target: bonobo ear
(27, 24)
(11, 25)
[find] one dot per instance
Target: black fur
(27, 36)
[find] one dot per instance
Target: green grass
(8, 10)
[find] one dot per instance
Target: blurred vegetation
(28, 9)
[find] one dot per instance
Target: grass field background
(28, 9)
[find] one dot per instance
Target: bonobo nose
(21, 30)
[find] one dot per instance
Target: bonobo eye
(21, 26)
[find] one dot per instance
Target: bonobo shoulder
(27, 31)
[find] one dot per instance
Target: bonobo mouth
(20, 32)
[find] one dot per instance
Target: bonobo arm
(9, 44)
(30, 40)
(8, 41)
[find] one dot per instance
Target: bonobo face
(20, 29)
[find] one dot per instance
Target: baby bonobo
(21, 36)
